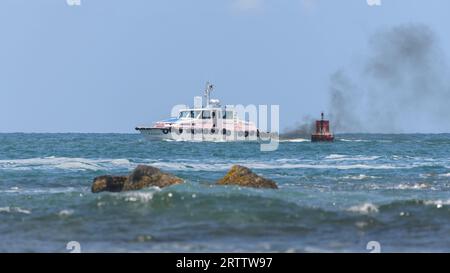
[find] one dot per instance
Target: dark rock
(242, 176)
(142, 177)
(108, 183)
(148, 176)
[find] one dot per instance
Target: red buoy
(322, 132)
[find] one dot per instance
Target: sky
(109, 65)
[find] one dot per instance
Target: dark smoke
(403, 86)
(343, 108)
(303, 129)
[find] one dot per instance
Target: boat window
(186, 114)
(228, 114)
(197, 114)
(206, 114)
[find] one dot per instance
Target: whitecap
(366, 208)
(339, 157)
(65, 212)
(335, 156)
(438, 203)
(275, 165)
(417, 186)
(353, 140)
(359, 177)
(141, 196)
(44, 190)
(77, 166)
(64, 163)
(14, 210)
(295, 140)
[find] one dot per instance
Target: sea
(361, 193)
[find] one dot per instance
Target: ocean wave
(295, 140)
(416, 186)
(143, 196)
(335, 156)
(366, 208)
(66, 212)
(14, 210)
(359, 177)
(438, 203)
(333, 161)
(340, 157)
(31, 191)
(63, 163)
(268, 166)
(353, 140)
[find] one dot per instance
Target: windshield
(185, 114)
(189, 114)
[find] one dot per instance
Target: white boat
(210, 122)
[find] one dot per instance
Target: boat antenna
(208, 89)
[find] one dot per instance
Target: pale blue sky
(108, 65)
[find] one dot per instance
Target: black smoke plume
(403, 86)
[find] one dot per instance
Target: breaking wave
(14, 210)
(416, 186)
(366, 208)
(339, 157)
(353, 140)
(333, 161)
(64, 163)
(295, 140)
(359, 177)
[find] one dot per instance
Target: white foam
(14, 210)
(66, 212)
(339, 157)
(273, 165)
(437, 203)
(359, 177)
(366, 208)
(295, 140)
(417, 186)
(335, 156)
(42, 190)
(65, 163)
(353, 140)
(141, 196)
(445, 175)
(77, 166)
(334, 161)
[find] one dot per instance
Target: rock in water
(142, 177)
(242, 176)
(147, 176)
(108, 183)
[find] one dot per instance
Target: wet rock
(142, 177)
(244, 177)
(108, 183)
(148, 176)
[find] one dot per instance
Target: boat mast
(208, 89)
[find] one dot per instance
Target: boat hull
(158, 134)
